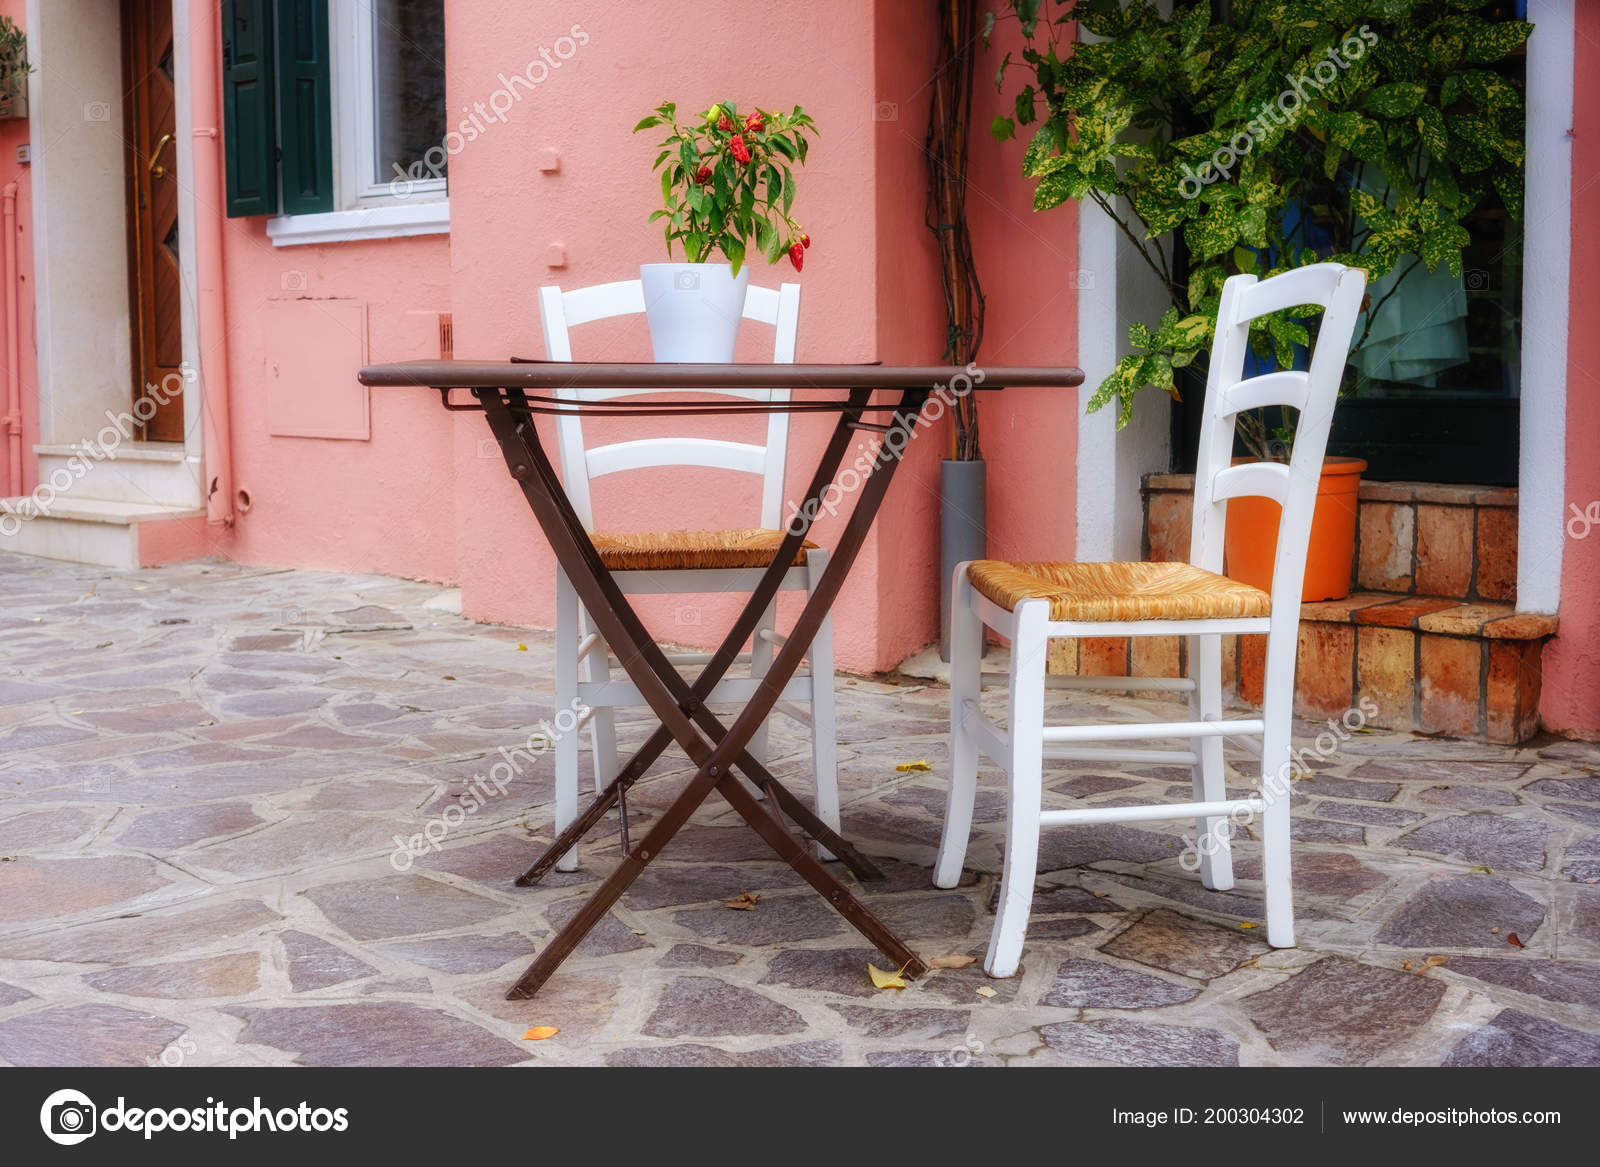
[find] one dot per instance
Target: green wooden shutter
(249, 108)
(304, 106)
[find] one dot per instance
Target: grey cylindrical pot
(963, 529)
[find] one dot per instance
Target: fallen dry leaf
(540, 1032)
(447, 677)
(1099, 895)
(1435, 961)
(919, 764)
(743, 903)
(955, 961)
(1513, 938)
(885, 980)
(1482, 870)
(522, 648)
(984, 991)
(1407, 965)
(1246, 924)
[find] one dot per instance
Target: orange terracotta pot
(1252, 534)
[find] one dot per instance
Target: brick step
(1428, 663)
(1424, 663)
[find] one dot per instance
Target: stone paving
(204, 769)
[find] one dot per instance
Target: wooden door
(153, 216)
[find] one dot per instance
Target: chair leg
(569, 634)
(1210, 778)
(1025, 734)
(824, 731)
(1275, 775)
(603, 724)
(761, 653)
(966, 682)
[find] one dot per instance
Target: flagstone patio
(204, 770)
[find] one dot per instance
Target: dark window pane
(409, 102)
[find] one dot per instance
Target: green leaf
(1024, 105)
(1508, 185)
(1041, 147)
(1396, 100)
(1192, 332)
(1210, 236)
(646, 122)
(1443, 244)
(1489, 90)
(1059, 186)
(1003, 128)
(1490, 42)
(1436, 139)
(733, 248)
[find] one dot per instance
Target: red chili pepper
(754, 121)
(805, 241)
(741, 153)
(703, 177)
(797, 256)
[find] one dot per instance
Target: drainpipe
(204, 80)
(8, 197)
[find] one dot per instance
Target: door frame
(58, 100)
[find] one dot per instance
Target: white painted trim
(1546, 305)
(394, 221)
(188, 255)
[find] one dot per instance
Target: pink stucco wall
(1570, 701)
(14, 133)
(1028, 263)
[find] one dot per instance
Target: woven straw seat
(686, 550)
(1119, 591)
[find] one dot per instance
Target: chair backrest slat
(561, 311)
(1338, 289)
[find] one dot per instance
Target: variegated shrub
(1383, 121)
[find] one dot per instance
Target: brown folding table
(510, 393)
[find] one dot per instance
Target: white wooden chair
(1030, 603)
(680, 562)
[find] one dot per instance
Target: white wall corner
(1115, 289)
(1546, 293)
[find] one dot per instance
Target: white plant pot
(694, 310)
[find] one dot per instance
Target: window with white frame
(335, 115)
(389, 77)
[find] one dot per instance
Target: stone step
(82, 530)
(158, 473)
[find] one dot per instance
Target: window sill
(387, 222)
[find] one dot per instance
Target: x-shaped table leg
(760, 597)
(673, 700)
